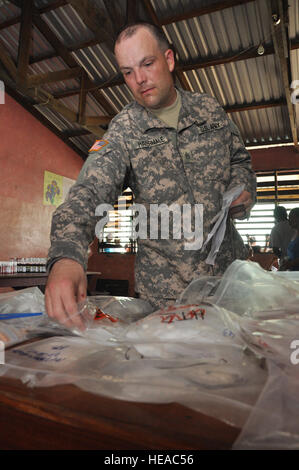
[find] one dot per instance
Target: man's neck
(169, 114)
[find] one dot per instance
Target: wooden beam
(97, 120)
(96, 20)
(42, 98)
(219, 60)
(71, 133)
(117, 80)
(25, 43)
(281, 47)
(132, 11)
(254, 105)
(114, 15)
(41, 11)
(49, 77)
(27, 103)
(151, 12)
(96, 131)
(196, 12)
(8, 63)
(212, 7)
(82, 98)
(66, 55)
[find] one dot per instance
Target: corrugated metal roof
(67, 25)
(233, 31)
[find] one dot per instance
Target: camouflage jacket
(193, 164)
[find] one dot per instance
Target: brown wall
(114, 266)
(275, 158)
(27, 149)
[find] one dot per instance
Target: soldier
(175, 147)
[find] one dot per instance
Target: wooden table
(65, 417)
(23, 280)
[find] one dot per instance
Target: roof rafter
(282, 51)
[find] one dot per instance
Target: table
(33, 279)
(65, 417)
(23, 279)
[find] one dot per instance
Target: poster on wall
(56, 188)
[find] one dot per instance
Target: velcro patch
(99, 144)
(145, 143)
(210, 127)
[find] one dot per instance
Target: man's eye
(148, 64)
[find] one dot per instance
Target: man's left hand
(240, 207)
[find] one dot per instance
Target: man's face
(146, 69)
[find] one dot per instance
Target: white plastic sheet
(273, 422)
(24, 301)
(226, 348)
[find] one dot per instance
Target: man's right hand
(66, 287)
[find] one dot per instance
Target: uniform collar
(147, 120)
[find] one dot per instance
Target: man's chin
(149, 102)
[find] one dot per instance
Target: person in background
(291, 263)
(281, 233)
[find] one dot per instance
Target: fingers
(240, 207)
(66, 287)
(61, 305)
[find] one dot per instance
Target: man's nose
(139, 77)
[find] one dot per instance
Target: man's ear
(169, 56)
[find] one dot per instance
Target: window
(276, 187)
(117, 236)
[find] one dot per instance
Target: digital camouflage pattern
(193, 164)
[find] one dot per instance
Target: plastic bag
(273, 423)
(225, 388)
(29, 303)
(246, 288)
(182, 329)
(199, 290)
(28, 300)
(269, 335)
(103, 317)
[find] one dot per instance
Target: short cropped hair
(129, 30)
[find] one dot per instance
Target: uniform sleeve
(241, 169)
(100, 182)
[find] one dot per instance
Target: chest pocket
(154, 168)
(206, 152)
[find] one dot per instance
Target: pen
(9, 316)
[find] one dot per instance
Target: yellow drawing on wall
(53, 189)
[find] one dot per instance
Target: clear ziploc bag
(246, 288)
(225, 385)
(218, 231)
(21, 312)
(199, 290)
(273, 422)
(103, 318)
(182, 329)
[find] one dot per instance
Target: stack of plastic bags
(227, 348)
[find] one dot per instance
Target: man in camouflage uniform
(192, 163)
